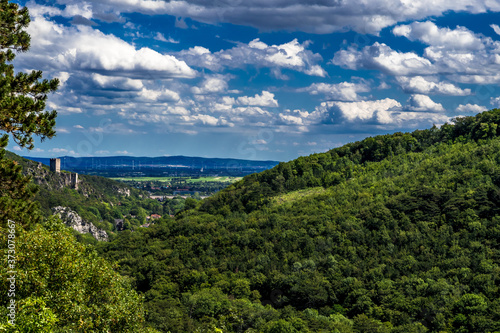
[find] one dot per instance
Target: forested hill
(97, 200)
(55, 188)
(61, 285)
(396, 233)
(337, 165)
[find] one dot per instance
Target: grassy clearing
(297, 195)
(214, 179)
(187, 179)
(144, 179)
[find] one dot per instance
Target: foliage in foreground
(60, 284)
(63, 286)
(397, 233)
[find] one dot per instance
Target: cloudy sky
(257, 79)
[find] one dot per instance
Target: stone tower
(55, 165)
(74, 180)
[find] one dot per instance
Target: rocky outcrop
(119, 224)
(123, 191)
(53, 180)
(73, 220)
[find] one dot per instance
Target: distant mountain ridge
(162, 162)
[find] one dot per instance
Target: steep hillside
(396, 233)
(53, 283)
(337, 165)
(96, 204)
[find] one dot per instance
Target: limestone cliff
(73, 220)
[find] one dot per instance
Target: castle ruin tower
(74, 180)
(55, 165)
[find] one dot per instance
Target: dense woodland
(395, 233)
(61, 285)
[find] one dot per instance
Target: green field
(187, 179)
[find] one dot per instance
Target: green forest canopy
(395, 233)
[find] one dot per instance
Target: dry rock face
(119, 224)
(123, 191)
(73, 220)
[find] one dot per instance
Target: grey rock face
(119, 224)
(73, 220)
(123, 191)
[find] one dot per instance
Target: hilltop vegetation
(396, 233)
(62, 284)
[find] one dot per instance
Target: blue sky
(257, 79)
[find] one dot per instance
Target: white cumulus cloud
(265, 99)
(423, 85)
(459, 54)
(344, 91)
(429, 33)
(291, 55)
(468, 108)
(362, 110)
(387, 113)
(424, 103)
(381, 57)
(212, 84)
(84, 48)
(159, 95)
(495, 28)
(495, 101)
(159, 36)
(116, 83)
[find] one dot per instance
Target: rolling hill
(395, 233)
